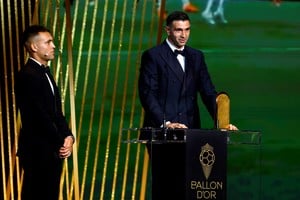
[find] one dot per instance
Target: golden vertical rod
(2, 152)
(161, 20)
(14, 105)
(136, 170)
(105, 168)
(10, 183)
(35, 17)
(134, 96)
(144, 175)
(116, 168)
(125, 173)
(72, 97)
(98, 67)
(85, 84)
(143, 186)
(3, 166)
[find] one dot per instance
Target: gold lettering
(205, 185)
(213, 195)
(205, 194)
(193, 185)
(220, 185)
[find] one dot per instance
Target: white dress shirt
(180, 58)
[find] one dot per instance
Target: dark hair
(32, 31)
(176, 15)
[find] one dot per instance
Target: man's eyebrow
(188, 28)
(49, 40)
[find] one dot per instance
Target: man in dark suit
(171, 77)
(168, 88)
(45, 139)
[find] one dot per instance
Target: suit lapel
(172, 61)
(41, 70)
(188, 63)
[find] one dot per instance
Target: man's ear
(33, 47)
(167, 29)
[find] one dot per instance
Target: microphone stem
(165, 129)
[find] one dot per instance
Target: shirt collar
(36, 61)
(173, 48)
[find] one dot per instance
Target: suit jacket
(43, 126)
(168, 93)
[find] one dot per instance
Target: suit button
(179, 113)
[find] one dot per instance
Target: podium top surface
(160, 135)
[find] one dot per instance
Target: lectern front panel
(206, 161)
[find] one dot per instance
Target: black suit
(168, 93)
(43, 131)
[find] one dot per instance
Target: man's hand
(231, 127)
(66, 150)
(175, 125)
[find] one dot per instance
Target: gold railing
(99, 47)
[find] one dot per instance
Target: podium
(189, 163)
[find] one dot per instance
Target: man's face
(43, 47)
(179, 32)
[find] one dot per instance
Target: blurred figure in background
(277, 2)
(211, 16)
(187, 6)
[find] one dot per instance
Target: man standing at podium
(171, 77)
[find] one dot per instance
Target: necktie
(179, 52)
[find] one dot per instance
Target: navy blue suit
(167, 93)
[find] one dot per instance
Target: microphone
(165, 127)
(165, 131)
